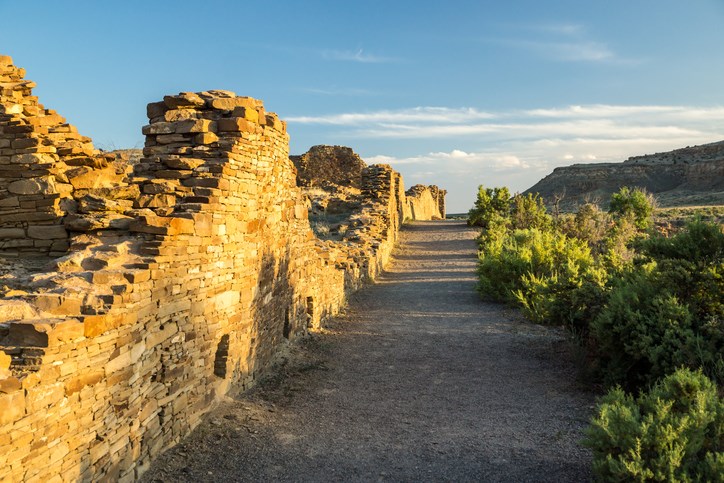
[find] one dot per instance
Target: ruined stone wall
(425, 203)
(321, 165)
(46, 170)
(115, 354)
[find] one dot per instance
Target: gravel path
(418, 381)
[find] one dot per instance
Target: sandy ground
(418, 381)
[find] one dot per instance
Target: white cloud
(419, 114)
(561, 42)
(355, 56)
(570, 51)
(565, 29)
(456, 161)
(597, 121)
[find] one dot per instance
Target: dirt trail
(418, 381)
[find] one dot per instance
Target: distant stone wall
(321, 165)
(177, 282)
(425, 203)
(341, 170)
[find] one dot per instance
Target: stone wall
(178, 281)
(47, 170)
(321, 165)
(425, 203)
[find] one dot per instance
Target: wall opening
(287, 325)
(222, 354)
(310, 312)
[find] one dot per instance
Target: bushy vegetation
(646, 307)
(675, 432)
(667, 310)
(644, 304)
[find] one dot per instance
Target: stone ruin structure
(134, 295)
(336, 165)
(332, 177)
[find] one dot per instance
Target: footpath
(419, 380)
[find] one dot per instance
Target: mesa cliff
(135, 294)
(688, 176)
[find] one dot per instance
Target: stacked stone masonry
(168, 283)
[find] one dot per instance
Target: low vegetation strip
(647, 308)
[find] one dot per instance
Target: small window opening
(222, 354)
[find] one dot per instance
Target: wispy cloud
(355, 56)
(603, 110)
(587, 121)
(416, 114)
(563, 42)
(564, 29)
(457, 161)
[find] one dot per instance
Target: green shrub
(562, 265)
(529, 212)
(675, 432)
(530, 266)
(589, 224)
(490, 202)
(636, 203)
(667, 312)
(577, 302)
(643, 332)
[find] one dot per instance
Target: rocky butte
(689, 176)
(136, 293)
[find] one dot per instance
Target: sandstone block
(16, 310)
(24, 143)
(95, 325)
(170, 138)
(12, 406)
(206, 138)
(10, 202)
(183, 163)
(156, 109)
(235, 124)
(138, 276)
(9, 384)
(32, 186)
(229, 103)
(12, 233)
(47, 232)
(14, 109)
(5, 361)
(43, 332)
(88, 378)
(185, 100)
(155, 201)
(180, 115)
(194, 126)
(97, 221)
(158, 186)
(250, 114)
(90, 203)
(42, 159)
(56, 304)
(173, 173)
(159, 128)
(40, 397)
(225, 300)
(85, 177)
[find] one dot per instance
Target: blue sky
(456, 93)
